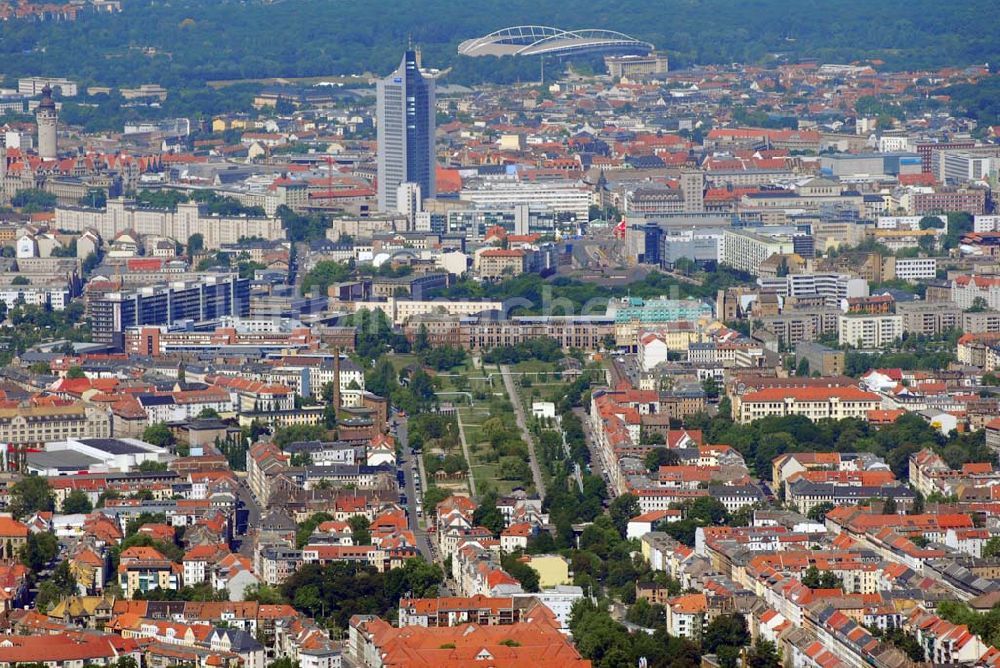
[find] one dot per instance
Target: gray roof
(114, 446)
(68, 460)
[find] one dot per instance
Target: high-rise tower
(405, 132)
(47, 118)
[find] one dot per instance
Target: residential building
(869, 331)
(815, 403)
(189, 218)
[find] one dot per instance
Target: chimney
(336, 379)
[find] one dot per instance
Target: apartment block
(869, 331)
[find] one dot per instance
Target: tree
(818, 512)
(208, 414)
(917, 507)
(44, 369)
(992, 547)
(323, 275)
(658, 457)
(728, 656)
(488, 515)
(360, 529)
(195, 244)
(520, 571)
(803, 368)
(907, 643)
(725, 631)
(621, 510)
(40, 549)
(979, 304)
(708, 510)
(75, 372)
(284, 662)
(422, 341)
(53, 589)
(764, 654)
(158, 434)
(725, 408)
(646, 614)
(652, 438)
(889, 506)
(300, 432)
(307, 527)
(814, 579)
(77, 502)
(96, 198)
(30, 495)
(263, 593)
(711, 387)
(33, 200)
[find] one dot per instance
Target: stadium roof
(545, 40)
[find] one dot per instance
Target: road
(405, 464)
(247, 503)
(522, 422)
(597, 464)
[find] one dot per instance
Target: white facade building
(745, 250)
(557, 197)
(869, 331)
(916, 268)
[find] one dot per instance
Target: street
(406, 461)
(597, 464)
(246, 503)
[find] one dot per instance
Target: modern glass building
(405, 131)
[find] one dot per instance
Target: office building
(946, 200)
(963, 165)
(636, 67)
(30, 426)
(700, 246)
(32, 86)
(987, 224)
(557, 197)
(745, 250)
(871, 164)
(926, 152)
(652, 240)
(207, 299)
(405, 111)
(915, 268)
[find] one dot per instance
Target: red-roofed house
(815, 403)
